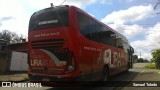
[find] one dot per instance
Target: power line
(63, 2)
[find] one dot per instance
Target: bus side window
(119, 43)
(85, 25)
(120, 47)
(108, 40)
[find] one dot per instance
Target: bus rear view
(50, 58)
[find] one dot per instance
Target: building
(13, 57)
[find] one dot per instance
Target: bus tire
(105, 74)
(129, 65)
(126, 70)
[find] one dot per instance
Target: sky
(135, 19)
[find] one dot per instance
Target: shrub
(151, 66)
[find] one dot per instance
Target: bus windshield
(50, 17)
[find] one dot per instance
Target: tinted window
(85, 24)
(50, 17)
(88, 26)
(94, 30)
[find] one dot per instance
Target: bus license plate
(45, 79)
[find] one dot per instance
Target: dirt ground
(14, 77)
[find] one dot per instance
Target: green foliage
(140, 60)
(135, 57)
(152, 61)
(151, 66)
(156, 57)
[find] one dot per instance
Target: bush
(151, 66)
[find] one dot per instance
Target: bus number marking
(48, 22)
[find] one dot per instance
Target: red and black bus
(67, 44)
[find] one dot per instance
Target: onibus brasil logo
(13, 84)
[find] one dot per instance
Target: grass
(151, 66)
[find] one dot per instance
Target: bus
(67, 44)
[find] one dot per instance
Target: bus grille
(45, 44)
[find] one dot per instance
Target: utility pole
(140, 54)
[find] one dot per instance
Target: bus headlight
(70, 63)
(70, 68)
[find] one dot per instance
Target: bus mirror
(120, 47)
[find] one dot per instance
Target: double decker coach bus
(67, 44)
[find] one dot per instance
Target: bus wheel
(126, 70)
(105, 74)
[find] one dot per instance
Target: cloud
(14, 17)
(132, 14)
(147, 38)
(128, 1)
(21, 10)
(6, 18)
(16, 13)
(39, 4)
(128, 30)
(108, 2)
(142, 39)
(80, 3)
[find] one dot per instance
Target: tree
(156, 57)
(11, 37)
(140, 60)
(145, 61)
(135, 58)
(155, 7)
